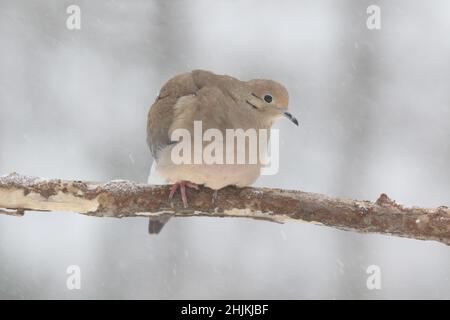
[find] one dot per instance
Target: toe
(173, 189)
(183, 194)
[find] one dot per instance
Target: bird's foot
(182, 185)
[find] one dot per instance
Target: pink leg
(182, 185)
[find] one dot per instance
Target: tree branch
(121, 198)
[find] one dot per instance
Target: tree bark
(121, 198)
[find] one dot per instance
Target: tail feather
(155, 224)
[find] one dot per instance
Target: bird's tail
(155, 224)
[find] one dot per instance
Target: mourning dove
(217, 102)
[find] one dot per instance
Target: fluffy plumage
(219, 102)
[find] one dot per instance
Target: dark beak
(289, 116)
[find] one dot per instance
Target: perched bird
(220, 102)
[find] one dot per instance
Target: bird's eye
(268, 98)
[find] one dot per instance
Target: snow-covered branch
(118, 199)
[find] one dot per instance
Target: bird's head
(270, 99)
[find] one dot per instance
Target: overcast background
(374, 108)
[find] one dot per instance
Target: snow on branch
(121, 198)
